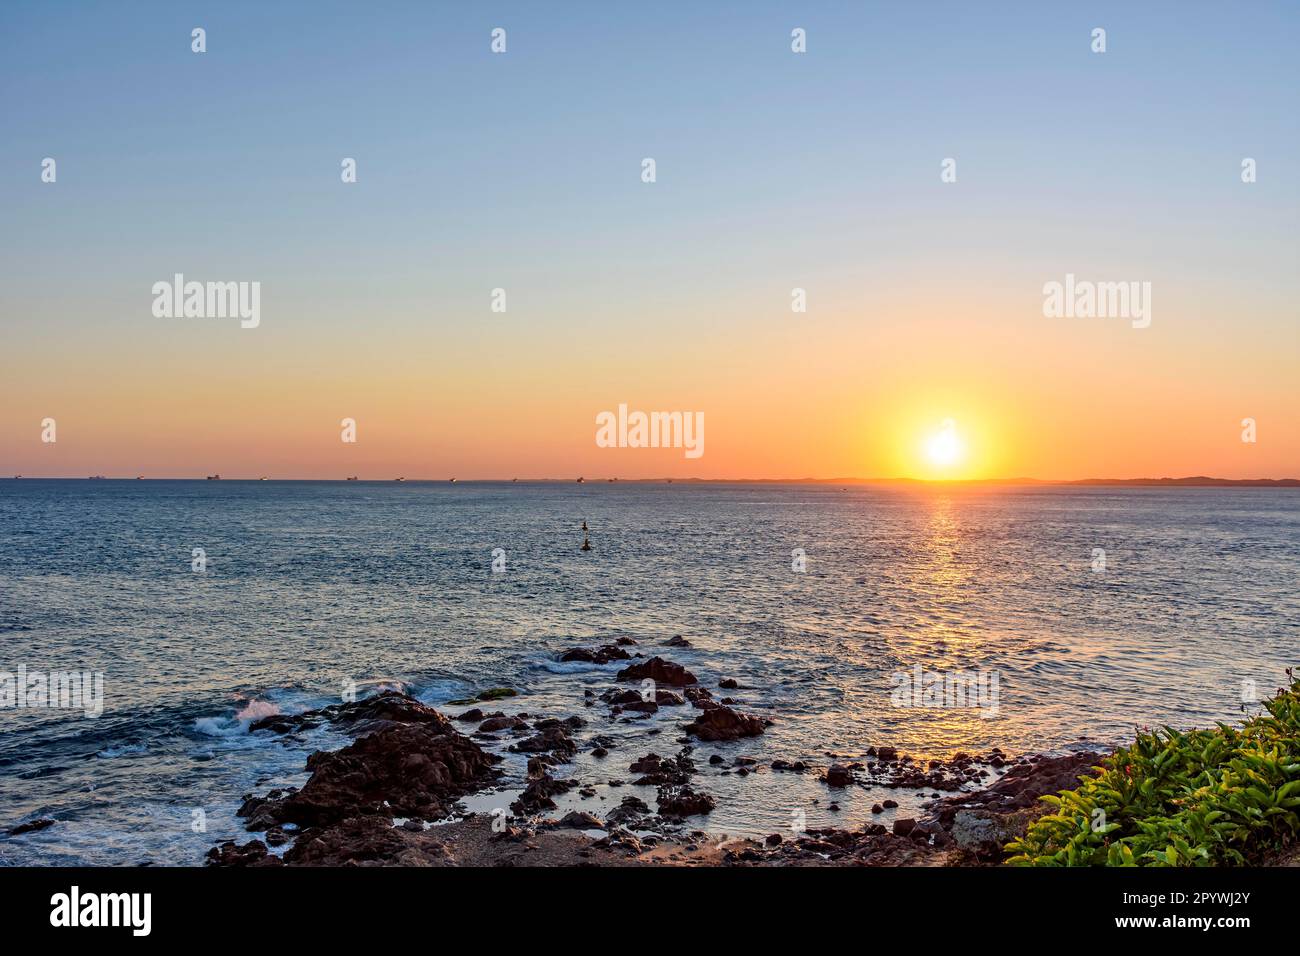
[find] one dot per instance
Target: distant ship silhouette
(214, 477)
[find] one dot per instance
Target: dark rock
(838, 776)
(658, 670)
(358, 841)
(415, 769)
(647, 764)
(601, 655)
(537, 795)
(253, 853)
(621, 697)
(502, 722)
(682, 801)
(550, 740)
(723, 723)
(31, 826)
(580, 820)
(728, 683)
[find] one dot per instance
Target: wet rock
(580, 820)
(723, 723)
(568, 723)
(630, 811)
(774, 839)
(677, 641)
(658, 670)
(647, 764)
(537, 795)
(359, 841)
(904, 825)
(416, 769)
(699, 696)
(665, 698)
(550, 740)
(253, 853)
(620, 697)
(663, 771)
(838, 776)
(728, 683)
(601, 655)
(682, 801)
(492, 693)
(385, 709)
(502, 722)
(32, 826)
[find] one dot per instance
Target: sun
(944, 448)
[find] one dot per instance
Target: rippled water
(311, 584)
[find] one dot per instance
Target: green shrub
(1203, 798)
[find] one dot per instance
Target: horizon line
(1190, 481)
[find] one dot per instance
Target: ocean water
(309, 585)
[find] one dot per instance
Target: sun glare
(944, 447)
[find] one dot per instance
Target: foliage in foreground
(1204, 798)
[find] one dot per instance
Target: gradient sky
(775, 170)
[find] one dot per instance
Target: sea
(1082, 612)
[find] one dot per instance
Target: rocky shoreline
(392, 796)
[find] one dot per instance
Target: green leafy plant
(1202, 798)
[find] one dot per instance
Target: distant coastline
(1195, 481)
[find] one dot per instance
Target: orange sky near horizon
(1030, 399)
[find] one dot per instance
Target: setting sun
(944, 448)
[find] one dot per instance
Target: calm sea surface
(309, 585)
